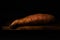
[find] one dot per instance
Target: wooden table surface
(33, 28)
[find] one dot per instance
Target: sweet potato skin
(35, 18)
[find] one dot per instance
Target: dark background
(11, 10)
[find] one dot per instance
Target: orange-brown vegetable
(32, 18)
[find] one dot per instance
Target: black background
(11, 10)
